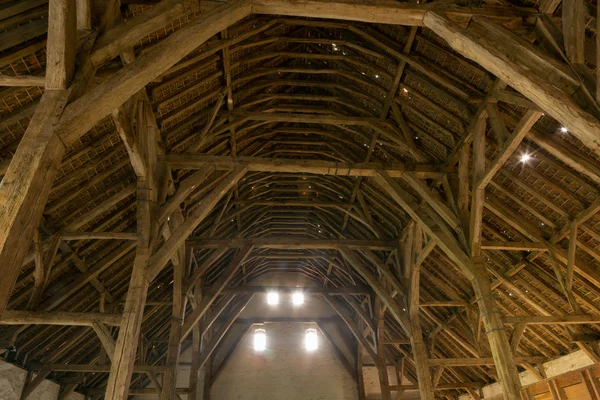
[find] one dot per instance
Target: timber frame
(432, 168)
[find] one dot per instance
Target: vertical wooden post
(573, 21)
(495, 332)
(194, 386)
(384, 383)
(147, 229)
(419, 350)
(129, 332)
(170, 376)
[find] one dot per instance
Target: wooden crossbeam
(251, 289)
(385, 13)
(92, 368)
(321, 167)
(553, 320)
(466, 362)
(21, 317)
(292, 243)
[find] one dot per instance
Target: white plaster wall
(11, 384)
(284, 371)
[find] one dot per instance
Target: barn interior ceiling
(431, 167)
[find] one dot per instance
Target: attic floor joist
(395, 154)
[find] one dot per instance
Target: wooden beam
(62, 44)
(515, 246)
(320, 167)
(91, 368)
(358, 334)
(178, 237)
(419, 350)
(469, 362)
(149, 194)
(169, 379)
(83, 114)
(553, 320)
(292, 243)
(26, 186)
(217, 336)
(488, 54)
(14, 317)
(22, 80)
(495, 331)
(509, 147)
(573, 24)
(409, 14)
(445, 241)
(215, 290)
(97, 236)
(123, 36)
(341, 291)
(394, 307)
(105, 338)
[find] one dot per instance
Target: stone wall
(12, 379)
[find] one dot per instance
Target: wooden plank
(62, 44)
(549, 98)
(469, 362)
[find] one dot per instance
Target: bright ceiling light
(298, 298)
(272, 298)
(564, 129)
(525, 157)
(310, 340)
(260, 340)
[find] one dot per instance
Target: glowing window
(260, 340)
(272, 298)
(298, 298)
(310, 340)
